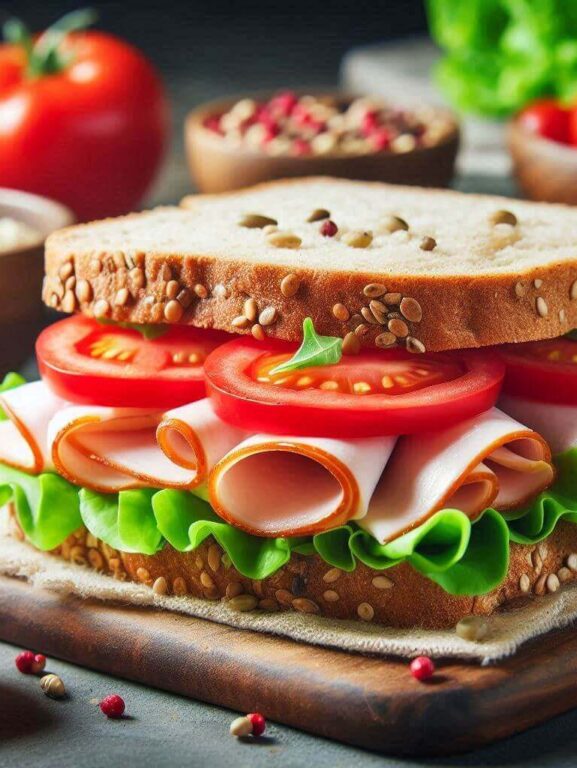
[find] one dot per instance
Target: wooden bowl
(545, 170)
(216, 166)
(21, 273)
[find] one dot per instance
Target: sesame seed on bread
(458, 270)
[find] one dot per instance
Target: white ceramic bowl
(21, 272)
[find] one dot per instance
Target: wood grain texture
(364, 701)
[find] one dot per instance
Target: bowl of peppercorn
(239, 142)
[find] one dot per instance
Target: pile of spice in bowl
(240, 142)
(311, 125)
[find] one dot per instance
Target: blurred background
(103, 129)
(205, 49)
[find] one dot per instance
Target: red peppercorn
(213, 124)
(24, 662)
(301, 115)
(369, 122)
(301, 147)
(38, 664)
(283, 103)
(380, 139)
(422, 668)
(328, 228)
(112, 706)
(270, 132)
(258, 723)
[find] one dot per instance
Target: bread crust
(458, 311)
(401, 597)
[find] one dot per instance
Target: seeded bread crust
(99, 269)
(398, 597)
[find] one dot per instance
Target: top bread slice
(481, 282)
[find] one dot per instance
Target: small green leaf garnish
(315, 350)
(150, 331)
(571, 335)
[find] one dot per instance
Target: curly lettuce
(501, 54)
(463, 556)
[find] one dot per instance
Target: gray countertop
(166, 730)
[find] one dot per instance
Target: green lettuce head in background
(502, 54)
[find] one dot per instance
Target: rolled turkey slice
(23, 436)
(557, 423)
(490, 460)
(296, 486)
(110, 449)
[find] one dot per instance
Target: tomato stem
(45, 55)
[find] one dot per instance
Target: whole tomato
(83, 118)
(547, 118)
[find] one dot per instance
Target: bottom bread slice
(399, 596)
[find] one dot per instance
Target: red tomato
(374, 393)
(573, 126)
(91, 135)
(547, 118)
(545, 371)
(86, 362)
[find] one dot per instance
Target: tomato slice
(373, 393)
(84, 361)
(545, 371)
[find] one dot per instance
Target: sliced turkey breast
(296, 486)
(557, 423)
(490, 460)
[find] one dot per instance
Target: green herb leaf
(150, 331)
(315, 350)
(571, 335)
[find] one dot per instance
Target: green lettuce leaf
(11, 381)
(464, 557)
(538, 520)
(46, 505)
(501, 54)
(125, 521)
(186, 521)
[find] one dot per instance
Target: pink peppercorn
(271, 131)
(258, 723)
(112, 706)
(380, 139)
(328, 228)
(422, 668)
(24, 662)
(283, 103)
(213, 124)
(369, 122)
(301, 147)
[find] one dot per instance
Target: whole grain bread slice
(420, 268)
(398, 596)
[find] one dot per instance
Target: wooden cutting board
(366, 701)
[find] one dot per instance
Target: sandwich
(340, 398)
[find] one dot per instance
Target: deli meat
(557, 423)
(296, 486)
(490, 460)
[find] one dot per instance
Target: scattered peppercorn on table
(162, 729)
